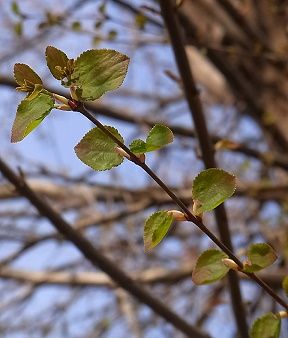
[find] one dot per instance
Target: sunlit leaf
(156, 227)
(56, 62)
(138, 147)
(23, 74)
(267, 326)
(209, 267)
(97, 150)
(260, 255)
(99, 71)
(158, 137)
(211, 188)
(30, 113)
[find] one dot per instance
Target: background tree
(237, 52)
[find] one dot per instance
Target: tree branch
(96, 257)
(100, 279)
(188, 214)
(196, 109)
(115, 113)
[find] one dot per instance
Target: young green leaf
(56, 62)
(209, 267)
(156, 227)
(260, 255)
(138, 147)
(26, 77)
(267, 326)
(30, 113)
(158, 137)
(285, 285)
(99, 71)
(211, 188)
(97, 150)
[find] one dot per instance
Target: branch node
(231, 264)
(122, 152)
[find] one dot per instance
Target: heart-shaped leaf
(26, 77)
(56, 62)
(267, 326)
(97, 72)
(97, 150)
(209, 267)
(156, 227)
(260, 255)
(30, 113)
(211, 188)
(158, 137)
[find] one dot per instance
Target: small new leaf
(25, 77)
(211, 188)
(156, 227)
(99, 71)
(138, 147)
(158, 137)
(260, 255)
(285, 285)
(30, 113)
(56, 61)
(267, 326)
(209, 267)
(97, 150)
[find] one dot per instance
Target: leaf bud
(177, 215)
(61, 99)
(283, 314)
(230, 264)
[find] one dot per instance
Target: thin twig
(197, 114)
(96, 257)
(104, 110)
(189, 216)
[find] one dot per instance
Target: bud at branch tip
(141, 157)
(61, 98)
(283, 314)
(230, 264)
(62, 107)
(177, 215)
